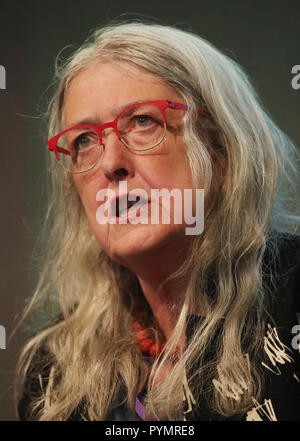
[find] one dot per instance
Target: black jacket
(281, 397)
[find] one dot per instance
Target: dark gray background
(263, 36)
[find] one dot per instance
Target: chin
(138, 243)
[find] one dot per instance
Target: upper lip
(114, 205)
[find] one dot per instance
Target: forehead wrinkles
(128, 68)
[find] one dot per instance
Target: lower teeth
(132, 209)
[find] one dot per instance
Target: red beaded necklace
(147, 345)
(149, 348)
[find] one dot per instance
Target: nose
(116, 160)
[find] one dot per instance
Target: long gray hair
(247, 164)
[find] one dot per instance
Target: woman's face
(94, 96)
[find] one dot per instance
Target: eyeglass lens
(140, 128)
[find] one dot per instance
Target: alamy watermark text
(2, 77)
(296, 78)
(2, 337)
(135, 206)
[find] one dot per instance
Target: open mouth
(123, 207)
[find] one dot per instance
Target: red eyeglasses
(140, 127)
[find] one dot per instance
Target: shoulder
(42, 369)
(281, 261)
(281, 278)
(36, 381)
(285, 247)
(40, 361)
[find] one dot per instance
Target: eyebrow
(96, 122)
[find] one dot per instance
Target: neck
(152, 268)
(165, 302)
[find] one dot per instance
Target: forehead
(100, 90)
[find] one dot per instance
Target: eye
(83, 141)
(143, 120)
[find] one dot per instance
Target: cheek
(170, 169)
(87, 192)
(90, 205)
(88, 187)
(174, 170)
(170, 175)
(88, 199)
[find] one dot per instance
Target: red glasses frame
(161, 104)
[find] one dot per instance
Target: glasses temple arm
(56, 149)
(179, 106)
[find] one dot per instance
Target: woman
(151, 320)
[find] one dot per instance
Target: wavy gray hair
(246, 162)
